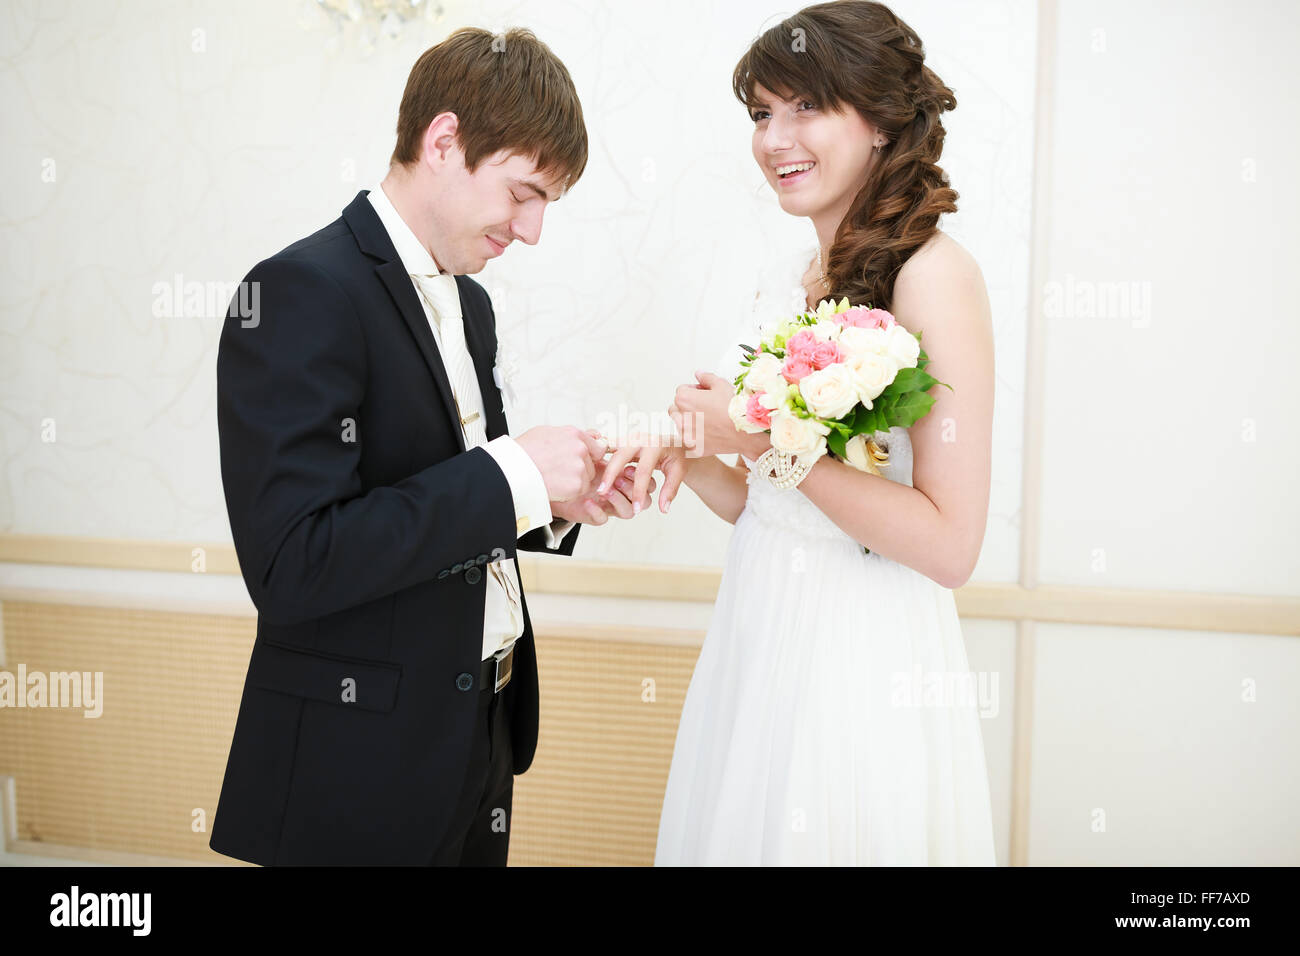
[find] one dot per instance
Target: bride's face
(838, 148)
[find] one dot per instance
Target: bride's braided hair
(861, 54)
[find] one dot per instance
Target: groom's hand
(595, 509)
(566, 456)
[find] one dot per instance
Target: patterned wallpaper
(150, 145)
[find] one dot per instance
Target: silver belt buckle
(504, 661)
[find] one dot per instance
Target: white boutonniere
(503, 373)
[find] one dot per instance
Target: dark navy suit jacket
(361, 523)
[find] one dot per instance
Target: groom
(376, 500)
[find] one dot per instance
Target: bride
(803, 738)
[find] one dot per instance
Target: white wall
(1168, 449)
(170, 161)
(1170, 439)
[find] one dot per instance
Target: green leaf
(865, 421)
(835, 442)
(913, 380)
(922, 360)
(911, 407)
(883, 406)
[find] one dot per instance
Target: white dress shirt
(501, 626)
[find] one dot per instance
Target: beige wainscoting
(128, 786)
(132, 779)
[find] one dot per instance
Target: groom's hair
(508, 91)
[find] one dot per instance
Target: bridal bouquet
(828, 380)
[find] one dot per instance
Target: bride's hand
(702, 417)
(665, 453)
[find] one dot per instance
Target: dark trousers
(479, 834)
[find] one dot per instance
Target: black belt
(495, 671)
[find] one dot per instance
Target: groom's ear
(442, 141)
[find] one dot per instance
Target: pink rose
(757, 412)
(800, 345)
(824, 354)
(864, 318)
(794, 369)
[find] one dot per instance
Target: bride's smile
(815, 158)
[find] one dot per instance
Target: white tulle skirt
(826, 722)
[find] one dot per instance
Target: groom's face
(480, 213)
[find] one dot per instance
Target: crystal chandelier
(367, 20)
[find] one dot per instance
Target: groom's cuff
(556, 530)
(527, 486)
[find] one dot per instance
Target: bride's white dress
(812, 731)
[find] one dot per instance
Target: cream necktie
(441, 292)
(444, 298)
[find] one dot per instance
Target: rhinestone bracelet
(781, 469)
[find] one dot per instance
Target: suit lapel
(373, 239)
(402, 290)
(482, 348)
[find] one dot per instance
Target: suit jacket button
(473, 575)
(464, 682)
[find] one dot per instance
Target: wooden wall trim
(1115, 607)
(1031, 472)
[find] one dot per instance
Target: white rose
(736, 409)
(856, 341)
(871, 373)
(903, 347)
(830, 392)
(826, 331)
(805, 437)
(765, 375)
(855, 452)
